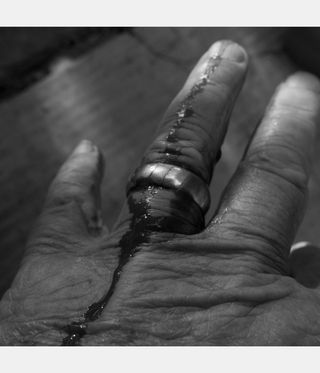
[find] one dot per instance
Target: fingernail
(85, 146)
(228, 50)
(300, 245)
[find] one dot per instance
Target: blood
(142, 223)
(185, 109)
(141, 226)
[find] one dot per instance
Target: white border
(159, 359)
(158, 13)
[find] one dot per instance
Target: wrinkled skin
(233, 282)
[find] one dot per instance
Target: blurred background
(112, 85)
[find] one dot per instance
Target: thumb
(72, 207)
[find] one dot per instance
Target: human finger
(72, 206)
(169, 191)
(265, 200)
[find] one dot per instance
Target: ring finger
(169, 190)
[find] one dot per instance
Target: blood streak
(142, 223)
(185, 109)
(140, 228)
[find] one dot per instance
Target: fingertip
(229, 50)
(83, 167)
(85, 146)
(230, 56)
(86, 151)
(301, 94)
(303, 80)
(74, 194)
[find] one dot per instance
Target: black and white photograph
(160, 186)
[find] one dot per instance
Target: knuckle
(280, 160)
(269, 254)
(191, 150)
(60, 199)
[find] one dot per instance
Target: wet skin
(161, 277)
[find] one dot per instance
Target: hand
(161, 277)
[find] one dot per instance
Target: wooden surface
(115, 95)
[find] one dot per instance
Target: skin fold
(175, 281)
